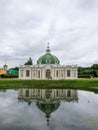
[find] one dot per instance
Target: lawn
(80, 84)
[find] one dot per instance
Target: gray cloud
(71, 27)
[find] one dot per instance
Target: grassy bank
(81, 84)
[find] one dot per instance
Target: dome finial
(48, 45)
(48, 48)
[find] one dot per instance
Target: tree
(29, 62)
(94, 66)
(86, 72)
(15, 68)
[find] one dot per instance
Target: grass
(80, 84)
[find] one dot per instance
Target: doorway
(48, 74)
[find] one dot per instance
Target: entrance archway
(48, 74)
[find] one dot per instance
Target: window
(62, 73)
(48, 61)
(33, 73)
(57, 94)
(68, 73)
(69, 93)
(74, 73)
(57, 62)
(27, 93)
(57, 73)
(39, 74)
(27, 73)
(48, 74)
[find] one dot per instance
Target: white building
(47, 100)
(47, 95)
(48, 67)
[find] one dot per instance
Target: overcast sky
(70, 26)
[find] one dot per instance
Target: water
(54, 109)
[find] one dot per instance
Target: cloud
(16, 114)
(71, 27)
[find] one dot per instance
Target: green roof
(48, 58)
(13, 72)
(48, 108)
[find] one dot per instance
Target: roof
(13, 72)
(48, 58)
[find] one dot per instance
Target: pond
(48, 109)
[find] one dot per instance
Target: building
(47, 100)
(48, 67)
(2, 72)
(47, 95)
(13, 72)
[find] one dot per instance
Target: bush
(9, 76)
(84, 76)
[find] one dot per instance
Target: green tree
(15, 68)
(87, 72)
(94, 66)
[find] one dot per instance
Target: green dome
(48, 108)
(48, 58)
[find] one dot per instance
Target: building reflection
(47, 100)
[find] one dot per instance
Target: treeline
(88, 72)
(8, 76)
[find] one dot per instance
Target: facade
(3, 72)
(47, 100)
(48, 67)
(47, 95)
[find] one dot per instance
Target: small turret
(5, 67)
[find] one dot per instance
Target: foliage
(94, 66)
(88, 72)
(15, 68)
(8, 76)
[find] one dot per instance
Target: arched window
(57, 73)
(48, 61)
(57, 62)
(69, 93)
(27, 73)
(74, 73)
(57, 94)
(33, 73)
(62, 73)
(68, 73)
(48, 74)
(39, 74)
(27, 93)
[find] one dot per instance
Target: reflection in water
(47, 100)
(31, 109)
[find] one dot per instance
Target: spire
(48, 117)
(48, 48)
